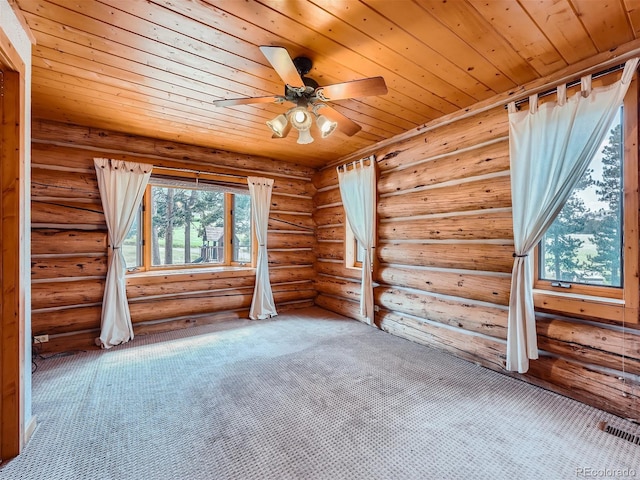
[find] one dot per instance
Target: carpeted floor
(306, 395)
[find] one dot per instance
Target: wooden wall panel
(73, 266)
(473, 285)
(68, 293)
(294, 240)
(66, 212)
(54, 241)
(69, 241)
(329, 215)
(476, 194)
(489, 350)
(291, 257)
(66, 320)
(491, 158)
(285, 221)
(330, 250)
(473, 256)
(492, 225)
(467, 315)
(444, 259)
(46, 182)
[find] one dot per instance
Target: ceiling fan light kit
(308, 97)
(301, 119)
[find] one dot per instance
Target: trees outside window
(584, 244)
(191, 227)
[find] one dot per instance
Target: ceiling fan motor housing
(294, 94)
(303, 65)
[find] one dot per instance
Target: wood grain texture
(156, 66)
(64, 267)
(477, 226)
(471, 285)
(69, 261)
(472, 195)
(473, 256)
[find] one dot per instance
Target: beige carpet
(307, 395)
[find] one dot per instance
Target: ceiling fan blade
(357, 88)
(281, 62)
(245, 101)
(345, 125)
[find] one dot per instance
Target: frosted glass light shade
(326, 126)
(304, 137)
(278, 125)
(300, 118)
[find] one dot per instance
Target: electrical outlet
(41, 338)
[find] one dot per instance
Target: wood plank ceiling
(153, 67)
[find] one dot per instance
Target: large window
(184, 223)
(584, 243)
(587, 262)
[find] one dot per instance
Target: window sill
(184, 274)
(583, 306)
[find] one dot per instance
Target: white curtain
(358, 191)
(550, 147)
(122, 186)
(262, 305)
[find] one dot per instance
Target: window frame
(616, 304)
(146, 225)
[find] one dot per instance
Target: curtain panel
(357, 183)
(262, 304)
(122, 186)
(550, 148)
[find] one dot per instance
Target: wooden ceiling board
(404, 103)
(147, 52)
(466, 22)
(563, 27)
(358, 43)
(428, 30)
(632, 8)
(512, 21)
(154, 67)
(321, 46)
(330, 72)
(608, 24)
(414, 55)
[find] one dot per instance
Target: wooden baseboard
(31, 427)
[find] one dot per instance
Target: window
(133, 242)
(354, 252)
(587, 262)
(188, 223)
(241, 228)
(584, 243)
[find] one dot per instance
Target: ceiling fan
(308, 97)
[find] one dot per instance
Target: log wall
(69, 239)
(444, 261)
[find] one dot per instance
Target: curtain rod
(198, 172)
(573, 83)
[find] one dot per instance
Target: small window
(354, 252)
(133, 242)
